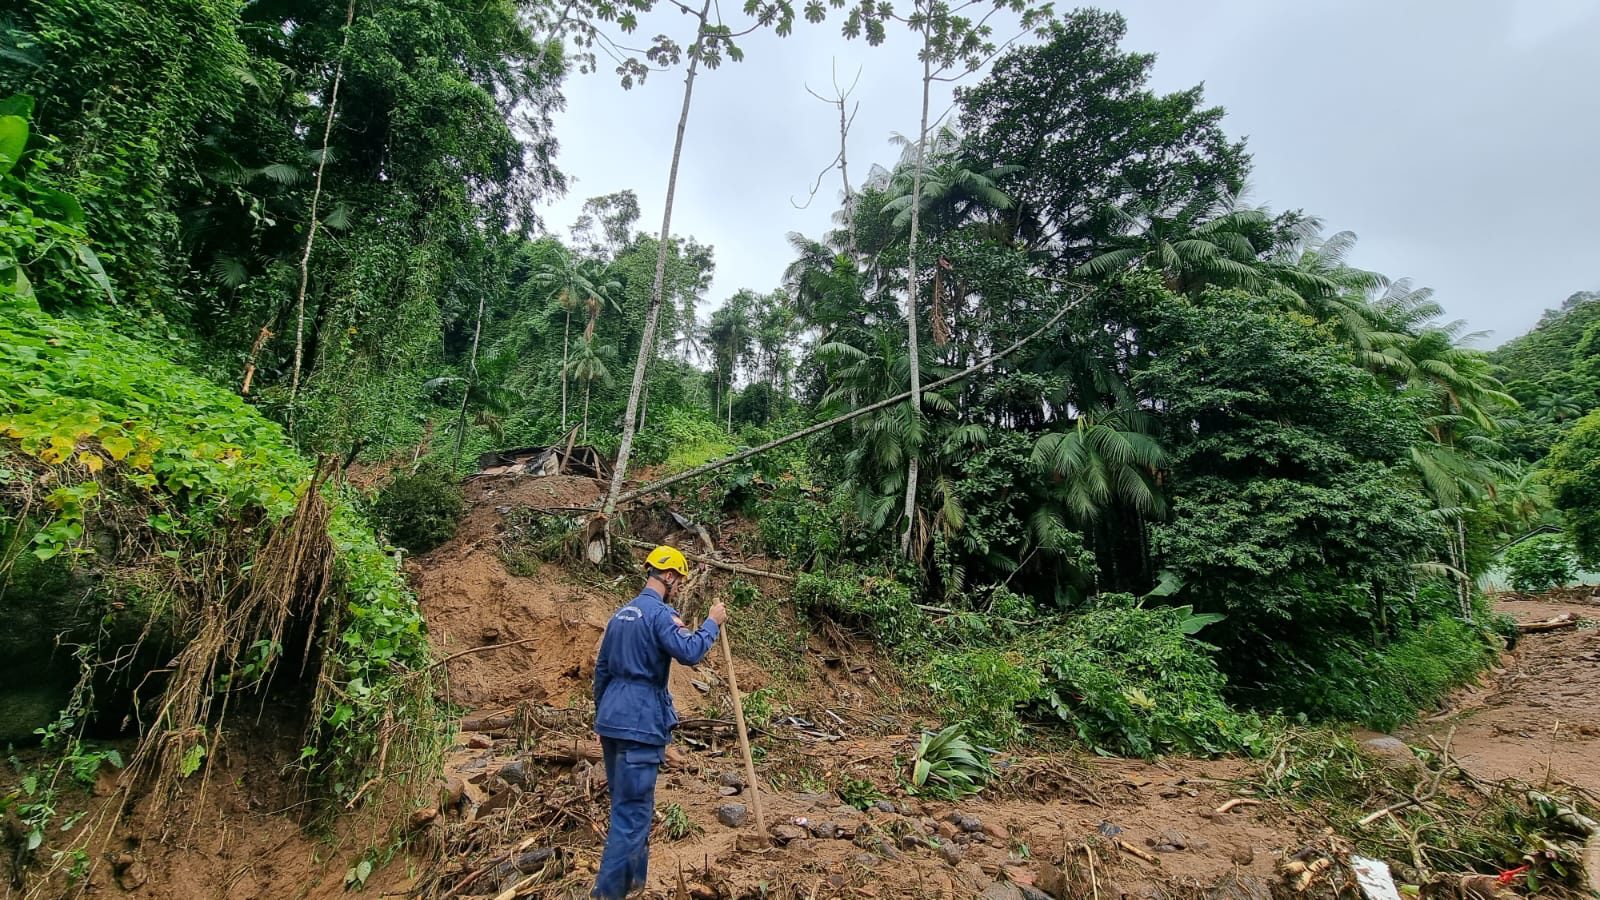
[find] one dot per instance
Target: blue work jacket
(630, 676)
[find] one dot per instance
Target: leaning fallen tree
(664, 483)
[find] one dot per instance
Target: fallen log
(481, 724)
(571, 753)
(1565, 620)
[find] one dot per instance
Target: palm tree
(1189, 244)
(1458, 460)
(882, 443)
(588, 366)
(1107, 457)
(730, 333)
(1311, 274)
(573, 283)
(955, 187)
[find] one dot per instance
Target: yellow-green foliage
(93, 418)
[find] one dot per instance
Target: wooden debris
(1301, 874)
(1135, 852)
(1235, 803)
(713, 562)
(1565, 620)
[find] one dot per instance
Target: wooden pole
(744, 735)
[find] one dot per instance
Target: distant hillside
(1554, 371)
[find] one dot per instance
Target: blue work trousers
(631, 774)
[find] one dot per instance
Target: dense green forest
(1235, 478)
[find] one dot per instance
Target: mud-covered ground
(524, 804)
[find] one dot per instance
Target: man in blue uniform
(633, 711)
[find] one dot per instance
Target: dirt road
(1540, 719)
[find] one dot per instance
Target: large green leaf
(86, 255)
(17, 105)
(13, 140)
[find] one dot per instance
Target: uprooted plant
(949, 766)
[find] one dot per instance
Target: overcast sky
(1459, 138)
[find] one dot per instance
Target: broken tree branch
(483, 649)
(715, 563)
(697, 471)
(1235, 803)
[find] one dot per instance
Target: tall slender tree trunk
(586, 386)
(844, 175)
(644, 405)
(316, 199)
(566, 333)
(911, 307)
(1461, 555)
(472, 379)
(658, 290)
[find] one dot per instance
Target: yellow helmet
(668, 558)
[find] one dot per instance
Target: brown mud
(523, 806)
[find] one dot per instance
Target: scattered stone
(909, 841)
(1002, 890)
(479, 742)
(130, 872)
(515, 772)
(490, 635)
(731, 779)
(884, 848)
(424, 816)
(885, 806)
(1052, 881)
(727, 791)
(866, 860)
(929, 826)
(966, 823)
(907, 810)
(784, 833)
(996, 832)
(1108, 829)
(1168, 841)
(450, 793)
(947, 830)
(1243, 856)
(837, 881)
(1389, 750)
(1029, 892)
(824, 830)
(733, 815)
(813, 800)
(752, 842)
(952, 854)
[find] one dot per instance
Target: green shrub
(880, 606)
(1133, 680)
(1383, 687)
(135, 443)
(1540, 563)
(680, 438)
(983, 689)
(419, 511)
(1573, 472)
